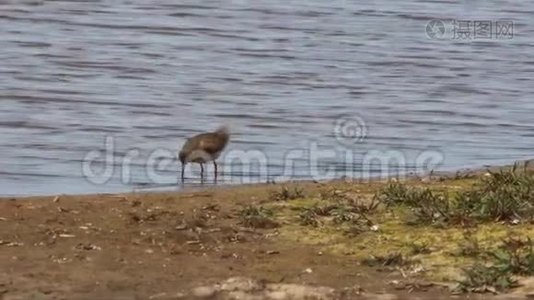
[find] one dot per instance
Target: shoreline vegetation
(466, 234)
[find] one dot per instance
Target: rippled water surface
(150, 73)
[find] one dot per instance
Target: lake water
(147, 74)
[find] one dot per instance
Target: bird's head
(223, 130)
(181, 157)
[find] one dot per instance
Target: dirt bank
(192, 244)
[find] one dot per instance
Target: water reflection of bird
(203, 148)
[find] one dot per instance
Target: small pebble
(65, 235)
(158, 296)
(204, 292)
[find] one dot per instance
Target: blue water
(281, 73)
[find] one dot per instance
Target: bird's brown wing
(189, 145)
(212, 144)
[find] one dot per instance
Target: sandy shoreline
(434, 175)
(162, 245)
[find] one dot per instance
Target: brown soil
(161, 245)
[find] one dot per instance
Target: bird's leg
(215, 165)
(183, 167)
(201, 170)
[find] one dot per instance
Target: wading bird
(203, 148)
